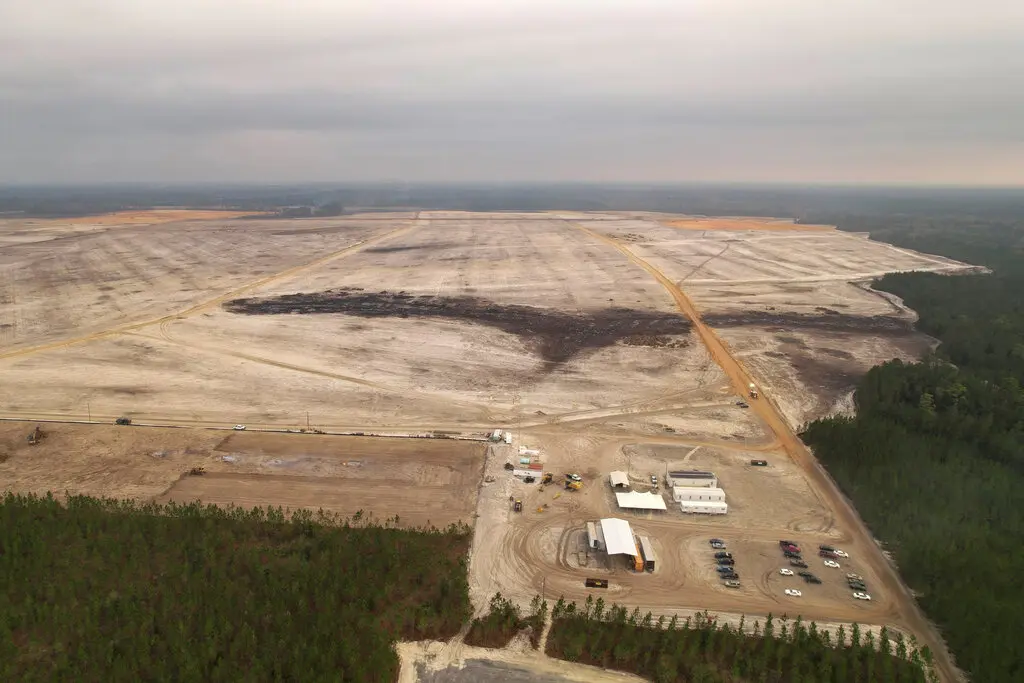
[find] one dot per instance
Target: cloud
(475, 89)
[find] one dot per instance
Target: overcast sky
(908, 91)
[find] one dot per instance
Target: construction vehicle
(517, 506)
(548, 478)
(35, 436)
(638, 560)
(571, 485)
(197, 471)
(123, 421)
(752, 390)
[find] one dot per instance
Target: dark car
(723, 569)
(731, 577)
(786, 542)
(804, 574)
(798, 563)
(726, 562)
(793, 555)
(722, 554)
(812, 579)
(827, 547)
(827, 553)
(858, 585)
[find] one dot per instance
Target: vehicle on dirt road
(239, 428)
(827, 548)
(596, 583)
(730, 583)
(518, 505)
(798, 563)
(723, 555)
(857, 577)
(726, 562)
(786, 572)
(197, 471)
(123, 421)
(811, 578)
(574, 477)
(832, 563)
(793, 592)
(841, 553)
(654, 480)
(862, 596)
(784, 543)
(724, 569)
(732, 577)
(548, 478)
(793, 555)
(826, 553)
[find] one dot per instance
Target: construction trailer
(595, 539)
(691, 493)
(647, 552)
(704, 507)
(692, 478)
(496, 435)
(508, 437)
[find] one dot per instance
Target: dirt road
(906, 608)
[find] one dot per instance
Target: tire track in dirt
(825, 489)
(216, 301)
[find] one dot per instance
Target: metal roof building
(618, 537)
(640, 501)
(692, 478)
(681, 493)
(618, 479)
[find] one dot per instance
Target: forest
(701, 650)
(104, 590)
(934, 459)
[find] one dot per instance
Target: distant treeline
(934, 459)
(808, 204)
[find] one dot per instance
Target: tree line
(934, 458)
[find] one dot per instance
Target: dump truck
(518, 505)
(548, 478)
(752, 390)
(571, 485)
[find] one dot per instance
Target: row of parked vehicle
(726, 564)
(830, 555)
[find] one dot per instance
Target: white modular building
(692, 478)
(704, 507)
(698, 494)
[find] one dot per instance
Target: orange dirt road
(909, 613)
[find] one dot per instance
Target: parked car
(832, 563)
(811, 578)
(804, 574)
(786, 572)
(732, 583)
(841, 553)
(724, 569)
(654, 480)
(792, 555)
(718, 546)
(726, 562)
(798, 563)
(785, 542)
(857, 586)
(714, 541)
(732, 577)
(827, 548)
(858, 577)
(793, 592)
(862, 596)
(723, 555)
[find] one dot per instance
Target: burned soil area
(828, 320)
(556, 336)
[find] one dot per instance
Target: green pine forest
(703, 651)
(101, 590)
(934, 459)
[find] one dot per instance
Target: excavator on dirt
(35, 436)
(197, 471)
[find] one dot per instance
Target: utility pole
(89, 408)
(307, 420)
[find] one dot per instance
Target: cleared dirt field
(607, 341)
(421, 481)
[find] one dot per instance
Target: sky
(817, 91)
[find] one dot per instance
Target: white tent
(618, 537)
(640, 501)
(618, 479)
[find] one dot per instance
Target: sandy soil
(422, 481)
(607, 341)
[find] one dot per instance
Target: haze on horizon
(848, 91)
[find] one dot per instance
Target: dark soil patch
(831, 320)
(556, 336)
